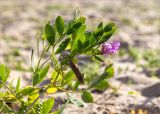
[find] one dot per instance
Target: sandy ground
(138, 25)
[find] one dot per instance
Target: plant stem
(59, 40)
(41, 57)
(41, 94)
(45, 62)
(11, 91)
(30, 106)
(76, 72)
(56, 78)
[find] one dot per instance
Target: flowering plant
(62, 43)
(110, 48)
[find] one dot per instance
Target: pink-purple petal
(110, 48)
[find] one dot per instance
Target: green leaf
(9, 98)
(98, 32)
(44, 37)
(81, 33)
(59, 23)
(92, 40)
(28, 90)
(87, 97)
(47, 106)
(69, 76)
(62, 46)
(81, 19)
(109, 30)
(77, 47)
(70, 31)
(56, 76)
(50, 34)
(80, 45)
(87, 36)
(76, 84)
(98, 58)
(105, 37)
(36, 78)
(77, 25)
(43, 72)
(75, 101)
(102, 85)
(74, 27)
(4, 73)
(39, 75)
(32, 97)
(108, 73)
(100, 25)
(18, 84)
(97, 52)
(78, 40)
(109, 27)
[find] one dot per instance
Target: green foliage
(47, 106)
(4, 73)
(87, 97)
(62, 43)
(62, 46)
(98, 58)
(108, 73)
(9, 98)
(59, 24)
(18, 84)
(76, 84)
(50, 34)
(68, 77)
(102, 85)
(39, 75)
(28, 90)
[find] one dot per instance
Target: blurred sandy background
(138, 23)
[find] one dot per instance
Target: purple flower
(110, 48)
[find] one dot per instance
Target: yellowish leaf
(51, 90)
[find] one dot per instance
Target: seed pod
(76, 72)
